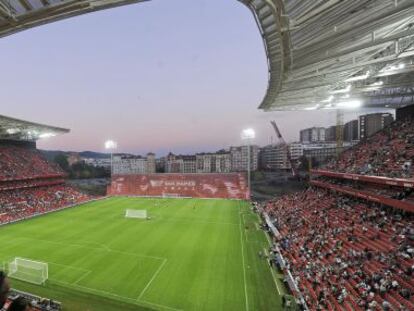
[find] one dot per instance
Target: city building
(331, 133)
(204, 162)
(275, 157)
(219, 162)
(351, 131)
(96, 162)
(151, 163)
(323, 152)
(181, 163)
(239, 158)
(161, 165)
(189, 164)
(369, 124)
(131, 164)
(313, 134)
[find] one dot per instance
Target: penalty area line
(82, 277)
(110, 294)
(152, 279)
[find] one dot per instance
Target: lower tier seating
(346, 254)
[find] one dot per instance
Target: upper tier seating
(388, 153)
(18, 163)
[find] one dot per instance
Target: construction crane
(286, 146)
(339, 132)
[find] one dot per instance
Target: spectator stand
(344, 254)
(37, 303)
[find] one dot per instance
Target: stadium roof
(321, 53)
(15, 129)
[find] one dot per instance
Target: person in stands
(19, 304)
(4, 288)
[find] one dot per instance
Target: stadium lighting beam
(248, 134)
(111, 145)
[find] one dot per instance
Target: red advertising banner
(369, 196)
(400, 182)
(225, 186)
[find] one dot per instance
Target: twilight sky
(182, 75)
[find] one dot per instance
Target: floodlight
(12, 131)
(248, 134)
(341, 91)
(349, 104)
(46, 135)
(358, 78)
(110, 144)
(393, 68)
(378, 83)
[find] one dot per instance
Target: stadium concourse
(347, 242)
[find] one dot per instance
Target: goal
(35, 272)
(134, 213)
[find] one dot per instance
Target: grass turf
(192, 255)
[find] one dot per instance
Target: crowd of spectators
(18, 162)
(30, 183)
(13, 300)
(29, 186)
(346, 254)
(24, 203)
(392, 192)
(388, 153)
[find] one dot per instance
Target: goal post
(31, 271)
(134, 213)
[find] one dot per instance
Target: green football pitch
(191, 255)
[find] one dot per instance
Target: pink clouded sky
(182, 75)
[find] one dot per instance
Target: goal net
(27, 270)
(134, 213)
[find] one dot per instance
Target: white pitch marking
(271, 269)
(152, 279)
(93, 248)
(244, 267)
(105, 293)
(82, 277)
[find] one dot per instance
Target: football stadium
(197, 240)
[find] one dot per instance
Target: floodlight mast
(248, 134)
(111, 145)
